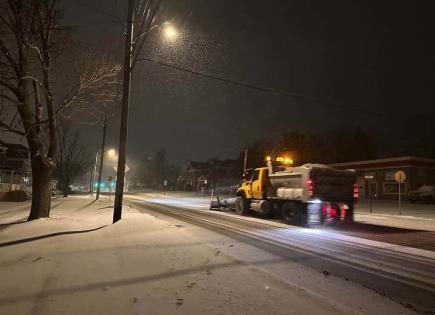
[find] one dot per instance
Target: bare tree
(72, 160)
(30, 97)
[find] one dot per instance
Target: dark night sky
(360, 56)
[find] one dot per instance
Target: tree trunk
(65, 190)
(41, 194)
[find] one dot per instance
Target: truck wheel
(242, 205)
(290, 213)
(267, 209)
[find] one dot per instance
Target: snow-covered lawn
(77, 262)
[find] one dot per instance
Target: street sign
(400, 176)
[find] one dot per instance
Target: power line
(261, 88)
(97, 10)
(90, 25)
(239, 83)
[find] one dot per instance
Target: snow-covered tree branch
(35, 89)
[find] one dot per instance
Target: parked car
(425, 193)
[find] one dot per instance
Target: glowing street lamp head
(111, 153)
(169, 31)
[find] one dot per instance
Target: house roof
(225, 163)
(13, 146)
(199, 165)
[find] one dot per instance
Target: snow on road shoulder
(196, 202)
(398, 221)
(139, 265)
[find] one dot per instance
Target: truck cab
(256, 186)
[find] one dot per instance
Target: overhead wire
(97, 10)
(274, 91)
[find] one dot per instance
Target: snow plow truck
(307, 195)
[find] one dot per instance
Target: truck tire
(291, 213)
(268, 209)
(242, 205)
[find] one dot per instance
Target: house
(378, 176)
(193, 176)
(14, 167)
(197, 176)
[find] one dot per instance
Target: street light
(111, 153)
(169, 31)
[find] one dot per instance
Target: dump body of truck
(312, 182)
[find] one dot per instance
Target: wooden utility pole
(94, 172)
(120, 174)
(245, 162)
(103, 148)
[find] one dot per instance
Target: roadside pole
(245, 162)
(400, 178)
(400, 201)
(120, 176)
(94, 172)
(370, 179)
(103, 148)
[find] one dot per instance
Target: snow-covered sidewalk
(77, 262)
(386, 213)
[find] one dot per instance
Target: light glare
(170, 32)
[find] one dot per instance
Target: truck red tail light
(310, 186)
(355, 191)
(329, 210)
(326, 209)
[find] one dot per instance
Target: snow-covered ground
(386, 212)
(77, 262)
(391, 207)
